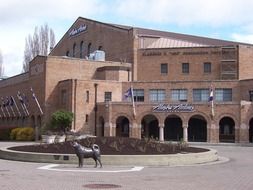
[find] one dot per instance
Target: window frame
(207, 67)
(138, 95)
(179, 94)
(164, 68)
(156, 96)
(224, 94)
(185, 68)
(107, 96)
(203, 95)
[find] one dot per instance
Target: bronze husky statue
(84, 152)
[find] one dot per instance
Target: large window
(164, 68)
(179, 95)
(251, 95)
(108, 96)
(89, 49)
(223, 94)
(157, 95)
(81, 50)
(207, 67)
(64, 97)
(138, 95)
(185, 68)
(87, 96)
(200, 95)
(74, 50)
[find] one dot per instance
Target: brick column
(243, 133)
(110, 129)
(135, 130)
(161, 133)
(213, 133)
(185, 133)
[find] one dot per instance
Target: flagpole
(14, 102)
(133, 103)
(7, 111)
(37, 102)
(212, 102)
(21, 103)
(3, 111)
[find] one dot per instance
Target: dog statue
(84, 152)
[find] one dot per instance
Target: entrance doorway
(197, 129)
(149, 127)
(173, 129)
(122, 127)
(227, 130)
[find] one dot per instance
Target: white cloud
(245, 38)
(18, 18)
(188, 12)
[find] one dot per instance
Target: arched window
(89, 49)
(81, 49)
(74, 50)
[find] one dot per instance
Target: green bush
(61, 120)
(5, 134)
(13, 133)
(22, 134)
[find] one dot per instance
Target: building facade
(134, 82)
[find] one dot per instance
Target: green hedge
(22, 134)
(5, 134)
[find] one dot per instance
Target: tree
(61, 120)
(38, 44)
(1, 65)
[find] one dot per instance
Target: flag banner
(19, 96)
(11, 103)
(1, 106)
(5, 105)
(36, 100)
(128, 94)
(211, 101)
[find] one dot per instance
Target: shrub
(5, 133)
(61, 120)
(23, 134)
(13, 133)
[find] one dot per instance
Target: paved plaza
(233, 174)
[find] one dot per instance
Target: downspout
(95, 108)
(75, 87)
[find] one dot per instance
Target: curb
(144, 160)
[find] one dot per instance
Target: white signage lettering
(173, 108)
(78, 30)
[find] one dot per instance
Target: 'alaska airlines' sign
(173, 108)
(78, 30)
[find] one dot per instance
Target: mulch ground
(114, 146)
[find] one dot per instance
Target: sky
(223, 19)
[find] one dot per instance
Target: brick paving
(236, 174)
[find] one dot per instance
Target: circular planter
(60, 138)
(143, 160)
(48, 139)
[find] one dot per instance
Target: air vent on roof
(97, 55)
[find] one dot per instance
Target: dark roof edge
(186, 37)
(126, 28)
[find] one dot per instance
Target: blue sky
(223, 19)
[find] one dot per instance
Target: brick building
(94, 64)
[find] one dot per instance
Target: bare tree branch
(38, 44)
(1, 65)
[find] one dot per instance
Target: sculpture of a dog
(84, 152)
